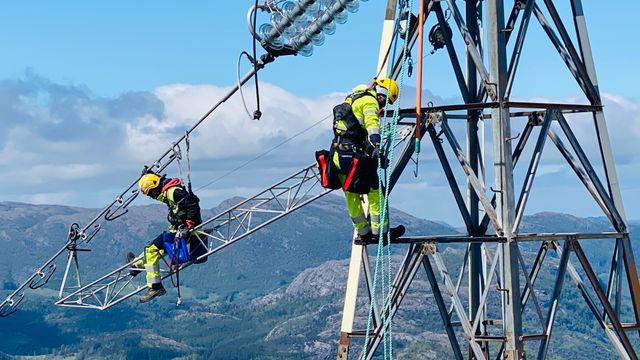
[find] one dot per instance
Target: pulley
(439, 35)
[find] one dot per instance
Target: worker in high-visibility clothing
(357, 136)
(184, 211)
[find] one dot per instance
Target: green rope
(388, 132)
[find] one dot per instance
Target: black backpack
(355, 133)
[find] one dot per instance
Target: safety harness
(348, 146)
(348, 133)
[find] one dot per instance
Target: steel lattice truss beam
(223, 230)
(493, 261)
(604, 303)
(82, 235)
(220, 231)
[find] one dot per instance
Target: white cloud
(48, 198)
(90, 149)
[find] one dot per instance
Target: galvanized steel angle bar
(604, 142)
(245, 225)
(472, 49)
(615, 280)
(366, 266)
(125, 284)
(473, 179)
(535, 270)
(580, 172)
(564, 35)
(297, 197)
(585, 83)
(632, 275)
(517, 49)
(240, 219)
(404, 277)
(95, 286)
(595, 283)
(455, 63)
(529, 285)
(276, 198)
(461, 273)
(533, 167)
(509, 26)
(391, 305)
(451, 179)
(577, 279)
(98, 300)
(444, 314)
(460, 311)
(555, 298)
(71, 258)
(487, 280)
(522, 141)
(619, 223)
(531, 280)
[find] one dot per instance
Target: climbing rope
(389, 133)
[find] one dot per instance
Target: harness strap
(323, 168)
(352, 171)
(175, 262)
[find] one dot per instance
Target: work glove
(372, 144)
(189, 228)
(190, 224)
(375, 140)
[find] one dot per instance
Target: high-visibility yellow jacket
(366, 108)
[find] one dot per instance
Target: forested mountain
(275, 295)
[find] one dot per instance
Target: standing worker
(354, 152)
(184, 213)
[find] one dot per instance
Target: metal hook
(513, 138)
(13, 306)
(43, 277)
(87, 237)
(177, 154)
(112, 215)
(74, 232)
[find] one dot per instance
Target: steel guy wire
(264, 153)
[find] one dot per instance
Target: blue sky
(91, 90)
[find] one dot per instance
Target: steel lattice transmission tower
(491, 35)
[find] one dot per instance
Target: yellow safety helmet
(389, 88)
(148, 182)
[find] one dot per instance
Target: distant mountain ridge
(277, 294)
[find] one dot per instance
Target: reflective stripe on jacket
(366, 109)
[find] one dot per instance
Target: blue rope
(388, 132)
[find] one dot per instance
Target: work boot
(364, 239)
(133, 272)
(153, 293)
(391, 235)
(395, 232)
